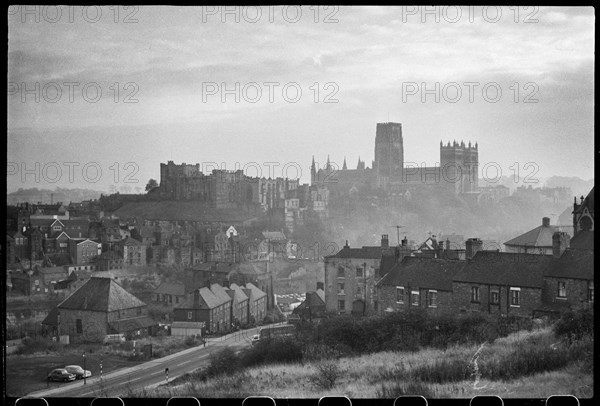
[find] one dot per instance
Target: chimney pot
(385, 243)
(472, 246)
(545, 221)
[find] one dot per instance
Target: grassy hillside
(533, 364)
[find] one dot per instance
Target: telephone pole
(398, 232)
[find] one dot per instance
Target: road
(151, 373)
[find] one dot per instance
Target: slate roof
(584, 240)
(207, 300)
(238, 292)
(423, 272)
(256, 292)
(100, 295)
(220, 292)
(52, 317)
(505, 268)
(171, 288)
(134, 323)
(313, 299)
(572, 264)
(540, 236)
(365, 252)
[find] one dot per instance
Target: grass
(434, 373)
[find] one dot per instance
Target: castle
(457, 170)
(222, 189)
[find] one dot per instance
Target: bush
(271, 352)
(441, 371)
(225, 361)
(326, 376)
(576, 324)
(39, 344)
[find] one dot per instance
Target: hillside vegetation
(535, 362)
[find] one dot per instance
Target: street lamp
(84, 374)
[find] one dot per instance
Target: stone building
(536, 241)
(99, 307)
(351, 275)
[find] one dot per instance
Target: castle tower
(389, 153)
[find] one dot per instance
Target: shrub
(225, 361)
(271, 352)
(441, 371)
(31, 345)
(326, 376)
(576, 324)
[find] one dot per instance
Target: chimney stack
(197, 298)
(447, 244)
(385, 243)
(472, 246)
(560, 242)
(546, 221)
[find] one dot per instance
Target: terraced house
(204, 306)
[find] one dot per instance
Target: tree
(152, 184)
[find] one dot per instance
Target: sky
(98, 97)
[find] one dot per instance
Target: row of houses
(534, 276)
(214, 308)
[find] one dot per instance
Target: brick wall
(93, 325)
(530, 299)
(386, 296)
(576, 291)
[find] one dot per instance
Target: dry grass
(366, 376)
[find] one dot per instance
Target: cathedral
(456, 171)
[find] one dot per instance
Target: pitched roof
(540, 236)
(52, 317)
(584, 240)
(220, 292)
(361, 253)
(572, 264)
(238, 292)
(206, 300)
(171, 288)
(504, 268)
(130, 241)
(256, 292)
(101, 295)
(423, 272)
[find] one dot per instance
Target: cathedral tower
(389, 153)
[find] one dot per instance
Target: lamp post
(84, 374)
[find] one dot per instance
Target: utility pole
(398, 232)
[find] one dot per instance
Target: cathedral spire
(328, 166)
(312, 167)
(344, 167)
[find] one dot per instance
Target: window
(399, 294)
(189, 315)
(494, 297)
(590, 291)
(79, 326)
(414, 298)
(562, 289)
(340, 288)
(515, 297)
(341, 305)
(359, 272)
(341, 272)
(475, 294)
(432, 298)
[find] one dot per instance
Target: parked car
(61, 375)
(79, 372)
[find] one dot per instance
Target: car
(79, 372)
(60, 375)
(255, 339)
